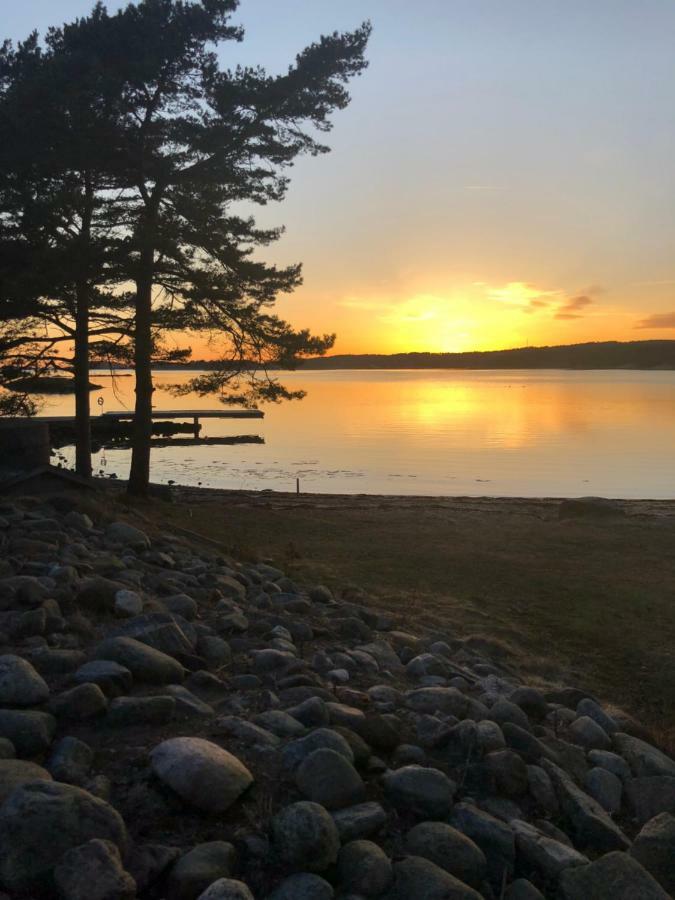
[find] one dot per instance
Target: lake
(528, 433)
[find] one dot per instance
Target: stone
(94, 871)
(326, 777)
(145, 663)
(615, 876)
(215, 651)
(541, 789)
(427, 792)
(120, 533)
(587, 733)
(604, 787)
(364, 868)
(14, 772)
(7, 749)
(20, 684)
(654, 849)
(280, 723)
(70, 761)
(81, 702)
(199, 868)
(437, 699)
(449, 849)
(124, 711)
(593, 710)
(181, 605)
(111, 677)
(187, 704)
(614, 763)
(538, 852)
(243, 730)
(418, 877)
(305, 836)
(42, 820)
(200, 772)
(148, 863)
(360, 821)
(504, 711)
(531, 701)
(311, 712)
(98, 594)
(167, 633)
(522, 889)
(321, 738)
(493, 837)
(127, 604)
(227, 889)
(649, 796)
(592, 827)
(303, 886)
(29, 731)
(643, 759)
(508, 772)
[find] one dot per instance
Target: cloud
(657, 320)
(573, 308)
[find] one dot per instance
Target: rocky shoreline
(176, 724)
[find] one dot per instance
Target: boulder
(144, 662)
(424, 791)
(198, 868)
(543, 854)
(305, 836)
(20, 684)
(360, 821)
(654, 849)
(303, 886)
(647, 797)
(94, 871)
(493, 836)
(124, 711)
(70, 761)
(227, 889)
(122, 534)
(111, 677)
(615, 876)
(15, 772)
(364, 868)
(81, 702)
(418, 877)
(449, 849)
(200, 772)
(41, 821)
(643, 759)
(31, 732)
(326, 777)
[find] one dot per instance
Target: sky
(504, 175)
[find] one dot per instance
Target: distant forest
(594, 355)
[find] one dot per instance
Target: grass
(584, 602)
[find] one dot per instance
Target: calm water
(517, 433)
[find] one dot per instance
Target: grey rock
(321, 738)
(93, 871)
(80, 702)
(70, 761)
(649, 796)
(508, 772)
(127, 604)
(187, 704)
(29, 731)
(305, 836)
(145, 663)
(20, 684)
(643, 759)
(504, 711)
(364, 868)
(165, 632)
(120, 533)
(125, 711)
(181, 605)
(495, 839)
(417, 877)
(248, 732)
(360, 821)
(538, 852)
(448, 848)
(280, 723)
(42, 820)
(614, 763)
(311, 712)
(111, 677)
(531, 701)
(604, 787)
(7, 749)
(615, 876)
(593, 829)
(98, 594)
(326, 777)
(587, 733)
(522, 889)
(427, 792)
(147, 863)
(593, 710)
(654, 849)
(199, 868)
(214, 650)
(227, 889)
(201, 773)
(437, 699)
(14, 772)
(541, 789)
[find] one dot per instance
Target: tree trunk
(139, 476)
(82, 408)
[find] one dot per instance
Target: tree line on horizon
(129, 162)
